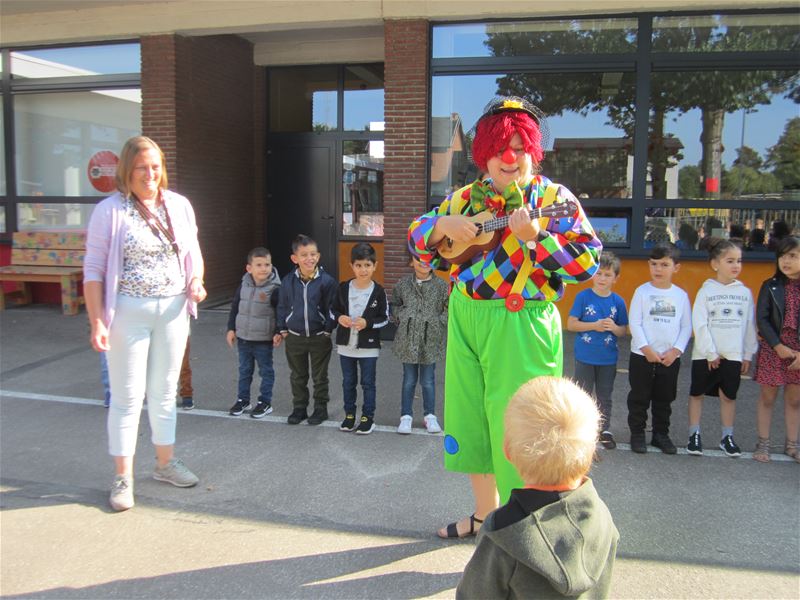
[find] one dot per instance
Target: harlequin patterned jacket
(566, 253)
(421, 313)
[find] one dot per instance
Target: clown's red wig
(495, 131)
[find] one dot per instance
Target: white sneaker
(405, 425)
(121, 497)
(431, 424)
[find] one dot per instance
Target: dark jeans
(651, 382)
(250, 353)
(598, 380)
(300, 351)
(350, 368)
(425, 373)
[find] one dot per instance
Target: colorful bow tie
(483, 196)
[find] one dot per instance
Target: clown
(503, 326)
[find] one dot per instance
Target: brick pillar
(200, 98)
(406, 82)
(159, 94)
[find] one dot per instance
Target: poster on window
(102, 167)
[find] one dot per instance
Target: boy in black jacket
(305, 322)
(361, 309)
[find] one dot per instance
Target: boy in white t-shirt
(661, 325)
(361, 310)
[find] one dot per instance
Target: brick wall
(200, 98)
(406, 137)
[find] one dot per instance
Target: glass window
(612, 225)
(76, 61)
(32, 216)
(303, 99)
(3, 219)
(690, 228)
(362, 188)
(724, 135)
(566, 36)
(725, 33)
(59, 137)
(591, 118)
(363, 97)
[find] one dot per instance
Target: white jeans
(147, 339)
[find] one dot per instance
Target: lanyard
(157, 227)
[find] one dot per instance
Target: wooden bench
(49, 257)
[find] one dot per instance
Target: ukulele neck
(502, 222)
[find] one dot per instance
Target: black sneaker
(348, 424)
(695, 445)
(318, 416)
(607, 440)
(240, 407)
(187, 403)
(298, 416)
(366, 426)
(662, 441)
(729, 447)
(638, 443)
(261, 409)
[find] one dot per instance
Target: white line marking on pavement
(198, 411)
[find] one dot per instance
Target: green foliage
(784, 156)
(689, 182)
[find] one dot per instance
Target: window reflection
(591, 121)
(303, 98)
(57, 135)
(725, 33)
(33, 216)
(723, 135)
(76, 61)
(362, 188)
(756, 229)
(363, 96)
(565, 36)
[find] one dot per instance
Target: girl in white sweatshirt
(724, 343)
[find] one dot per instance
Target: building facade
(344, 120)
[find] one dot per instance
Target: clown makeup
(511, 164)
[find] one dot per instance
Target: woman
(503, 327)
(143, 277)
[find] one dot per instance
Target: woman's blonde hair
(127, 158)
(551, 428)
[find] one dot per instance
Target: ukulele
(490, 228)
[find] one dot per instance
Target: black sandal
(452, 529)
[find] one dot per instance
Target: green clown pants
(491, 352)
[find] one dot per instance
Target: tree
(689, 182)
(784, 156)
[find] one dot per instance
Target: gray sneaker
(176, 473)
(121, 497)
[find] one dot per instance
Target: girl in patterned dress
(777, 315)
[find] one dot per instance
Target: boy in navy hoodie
(305, 321)
(361, 309)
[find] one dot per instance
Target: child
(778, 364)
(361, 309)
(724, 343)
(419, 303)
(251, 324)
(305, 321)
(555, 536)
(600, 316)
(661, 325)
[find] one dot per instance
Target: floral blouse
(150, 268)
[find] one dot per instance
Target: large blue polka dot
(450, 444)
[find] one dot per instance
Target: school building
(669, 119)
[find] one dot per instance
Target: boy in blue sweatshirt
(305, 321)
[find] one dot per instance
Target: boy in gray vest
(251, 324)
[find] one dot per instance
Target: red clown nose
(509, 156)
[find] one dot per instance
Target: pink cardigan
(106, 232)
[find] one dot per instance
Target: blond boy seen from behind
(555, 536)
